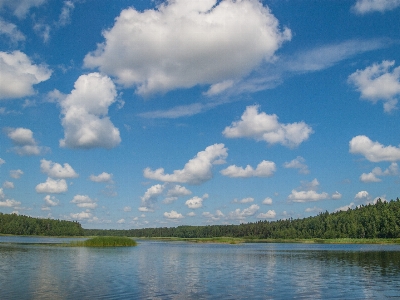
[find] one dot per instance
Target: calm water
(173, 270)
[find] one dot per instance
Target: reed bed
(105, 241)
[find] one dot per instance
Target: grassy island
(105, 241)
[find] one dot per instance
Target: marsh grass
(105, 241)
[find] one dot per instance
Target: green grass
(105, 241)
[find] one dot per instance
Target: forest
(24, 225)
(379, 220)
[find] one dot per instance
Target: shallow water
(177, 270)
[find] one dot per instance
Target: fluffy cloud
(298, 163)
(264, 169)
(243, 214)
(213, 217)
(150, 197)
(18, 75)
(373, 151)
(127, 209)
(231, 39)
(263, 127)
(8, 185)
(373, 175)
(55, 170)
(84, 201)
(85, 121)
(51, 201)
(336, 195)
(362, 195)
(173, 215)
(7, 202)
(52, 186)
(24, 142)
(268, 215)
(377, 82)
(267, 201)
(20, 7)
(16, 174)
(84, 215)
(244, 200)
(196, 171)
(309, 194)
(103, 177)
(11, 31)
(175, 192)
(196, 202)
(367, 6)
(2, 161)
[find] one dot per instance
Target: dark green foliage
(381, 220)
(24, 225)
(106, 241)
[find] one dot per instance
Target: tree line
(25, 225)
(379, 220)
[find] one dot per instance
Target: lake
(180, 270)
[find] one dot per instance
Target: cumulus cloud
(196, 171)
(8, 185)
(196, 202)
(18, 75)
(84, 215)
(173, 215)
(161, 53)
(268, 215)
(85, 121)
(20, 7)
(11, 31)
(51, 201)
(362, 195)
(367, 6)
(52, 186)
(55, 170)
(336, 195)
(267, 201)
(309, 193)
(243, 214)
(263, 127)
(84, 201)
(150, 197)
(175, 192)
(2, 161)
(16, 174)
(378, 82)
(373, 175)
(7, 202)
(373, 151)
(103, 177)
(25, 144)
(264, 169)
(244, 200)
(213, 217)
(127, 208)
(298, 163)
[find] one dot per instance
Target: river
(181, 270)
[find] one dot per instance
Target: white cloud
(121, 221)
(55, 170)
(24, 142)
(336, 195)
(178, 191)
(264, 169)
(313, 209)
(21, 7)
(309, 194)
(242, 214)
(51, 201)
(8, 185)
(213, 217)
(367, 6)
(244, 200)
(346, 207)
(2, 161)
(103, 177)
(52, 186)
(84, 201)
(11, 31)
(127, 208)
(377, 82)
(268, 215)
(9, 203)
(81, 216)
(16, 174)
(373, 151)
(362, 195)
(267, 201)
(195, 202)
(298, 163)
(150, 197)
(231, 39)
(18, 75)
(196, 171)
(373, 175)
(263, 127)
(85, 121)
(191, 214)
(173, 215)
(66, 11)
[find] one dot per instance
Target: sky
(134, 114)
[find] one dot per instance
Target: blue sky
(131, 114)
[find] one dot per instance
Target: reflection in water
(172, 270)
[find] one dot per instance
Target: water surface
(179, 270)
